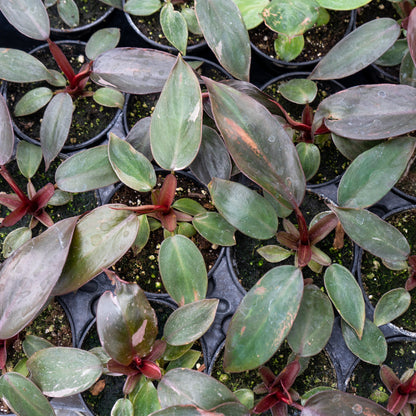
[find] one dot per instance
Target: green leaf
(246, 397)
(224, 30)
(32, 344)
(14, 66)
(358, 49)
(55, 126)
(263, 319)
(189, 206)
(243, 208)
(56, 78)
(371, 348)
(142, 7)
(313, 324)
(6, 132)
(100, 239)
(287, 48)
(23, 293)
(274, 254)
(373, 234)
(373, 173)
(145, 400)
(174, 27)
(352, 148)
(251, 11)
(181, 386)
(227, 409)
(176, 126)
(191, 21)
(102, 41)
(142, 235)
(214, 228)
(342, 4)
(126, 323)
(173, 353)
(394, 55)
(260, 147)
(299, 90)
(331, 403)
(391, 305)
(33, 101)
(86, 170)
(15, 239)
(60, 198)
(408, 71)
(23, 396)
(28, 17)
(122, 407)
(346, 296)
(291, 17)
(131, 167)
(28, 157)
(62, 371)
(186, 282)
(139, 137)
(109, 97)
(213, 159)
(369, 112)
(189, 322)
(133, 70)
(68, 12)
(187, 360)
(310, 158)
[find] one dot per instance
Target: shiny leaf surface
(310, 158)
(214, 228)
(299, 90)
(122, 407)
(68, 12)
(102, 41)
(342, 4)
(33, 101)
(174, 27)
(109, 97)
(32, 344)
(251, 11)
(28, 157)
(142, 7)
(145, 400)
(391, 305)
(15, 239)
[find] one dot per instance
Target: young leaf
(346, 296)
(358, 49)
(145, 400)
(251, 11)
(122, 407)
(224, 30)
(28, 157)
(142, 7)
(33, 101)
(263, 319)
(391, 305)
(191, 21)
(32, 344)
(244, 208)
(373, 173)
(287, 48)
(68, 12)
(408, 71)
(176, 126)
(189, 322)
(174, 27)
(131, 167)
(371, 348)
(109, 97)
(214, 228)
(62, 371)
(28, 17)
(187, 282)
(6, 132)
(102, 41)
(299, 90)
(394, 55)
(15, 239)
(274, 254)
(342, 4)
(55, 126)
(23, 396)
(310, 158)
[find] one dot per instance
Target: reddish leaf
(11, 201)
(167, 191)
(288, 376)
(279, 410)
(304, 254)
(43, 196)
(117, 368)
(322, 228)
(266, 403)
(131, 383)
(158, 350)
(44, 218)
(396, 402)
(389, 378)
(150, 369)
(411, 34)
(15, 216)
(267, 376)
(62, 61)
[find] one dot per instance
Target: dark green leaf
(33, 101)
(122, 407)
(102, 41)
(145, 400)
(60, 198)
(214, 228)
(28, 157)
(299, 90)
(187, 360)
(263, 319)
(408, 71)
(274, 254)
(15, 239)
(394, 55)
(391, 305)
(174, 27)
(6, 132)
(189, 206)
(32, 344)
(142, 235)
(352, 148)
(191, 21)
(310, 158)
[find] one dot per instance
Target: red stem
(295, 124)
(13, 184)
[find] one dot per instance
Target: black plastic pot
(67, 147)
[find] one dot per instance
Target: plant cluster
(232, 126)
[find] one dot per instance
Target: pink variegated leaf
(42, 197)
(322, 228)
(396, 402)
(158, 350)
(44, 218)
(11, 201)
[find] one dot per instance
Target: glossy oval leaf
(299, 90)
(263, 319)
(131, 167)
(145, 400)
(100, 239)
(213, 159)
(68, 12)
(109, 97)
(133, 70)
(346, 296)
(15, 239)
(102, 41)
(187, 360)
(310, 158)
(28, 157)
(373, 173)
(122, 407)
(369, 112)
(224, 30)
(6, 133)
(342, 4)
(187, 280)
(313, 324)
(142, 7)
(189, 206)
(214, 228)
(63, 371)
(288, 49)
(176, 126)
(251, 11)
(373, 234)
(23, 293)
(371, 348)
(358, 49)
(126, 323)
(391, 305)
(86, 170)
(259, 145)
(28, 17)
(174, 27)
(32, 344)
(331, 403)
(23, 396)
(181, 386)
(274, 254)
(189, 322)
(33, 101)
(244, 208)
(55, 126)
